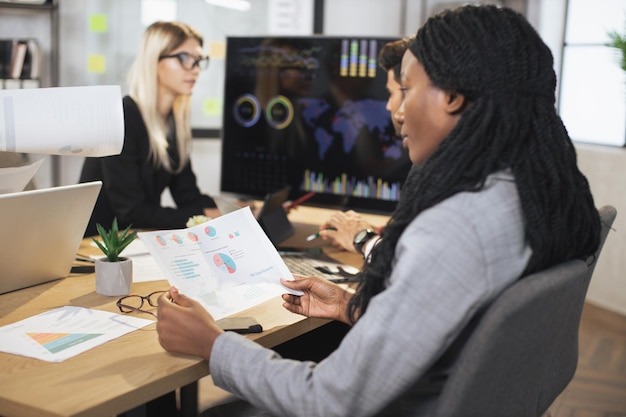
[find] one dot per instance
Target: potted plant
(618, 40)
(114, 273)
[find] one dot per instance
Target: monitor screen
(310, 113)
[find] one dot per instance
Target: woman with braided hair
(498, 196)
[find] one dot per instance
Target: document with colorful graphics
(228, 264)
(71, 121)
(64, 332)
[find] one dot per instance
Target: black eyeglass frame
(125, 308)
(201, 62)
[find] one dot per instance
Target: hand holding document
(83, 121)
(228, 264)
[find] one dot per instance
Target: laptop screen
(42, 230)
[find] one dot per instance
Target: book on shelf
(29, 1)
(12, 84)
(17, 59)
(31, 83)
(6, 52)
(20, 59)
(34, 55)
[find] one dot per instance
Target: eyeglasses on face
(188, 61)
(130, 303)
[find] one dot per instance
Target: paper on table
(145, 268)
(64, 332)
(83, 121)
(228, 264)
(14, 179)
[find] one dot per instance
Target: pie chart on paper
(224, 263)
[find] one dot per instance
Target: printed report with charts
(228, 263)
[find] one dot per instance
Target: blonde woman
(157, 137)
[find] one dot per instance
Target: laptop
(271, 217)
(300, 260)
(41, 231)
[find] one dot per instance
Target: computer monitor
(310, 113)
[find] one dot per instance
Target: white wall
(604, 168)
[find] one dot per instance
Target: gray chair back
(524, 350)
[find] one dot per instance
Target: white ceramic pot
(114, 278)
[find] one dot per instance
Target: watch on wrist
(361, 238)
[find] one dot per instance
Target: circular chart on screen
(279, 112)
(247, 110)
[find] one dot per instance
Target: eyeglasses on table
(130, 303)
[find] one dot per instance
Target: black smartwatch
(361, 238)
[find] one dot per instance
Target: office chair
(524, 350)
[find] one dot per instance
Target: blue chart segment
(224, 263)
(210, 231)
(186, 268)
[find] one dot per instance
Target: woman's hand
(346, 225)
(321, 298)
(212, 212)
(184, 325)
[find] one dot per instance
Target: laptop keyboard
(301, 266)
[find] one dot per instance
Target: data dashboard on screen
(310, 113)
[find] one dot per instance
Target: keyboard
(299, 265)
(325, 268)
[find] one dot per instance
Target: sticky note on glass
(96, 64)
(98, 23)
(212, 106)
(217, 50)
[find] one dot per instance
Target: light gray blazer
(451, 260)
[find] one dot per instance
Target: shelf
(24, 20)
(48, 5)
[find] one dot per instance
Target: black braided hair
(496, 59)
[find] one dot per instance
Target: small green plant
(618, 40)
(114, 242)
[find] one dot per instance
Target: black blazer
(132, 186)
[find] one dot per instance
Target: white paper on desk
(145, 268)
(228, 264)
(64, 332)
(82, 121)
(14, 179)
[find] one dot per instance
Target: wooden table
(133, 369)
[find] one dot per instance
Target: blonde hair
(161, 38)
